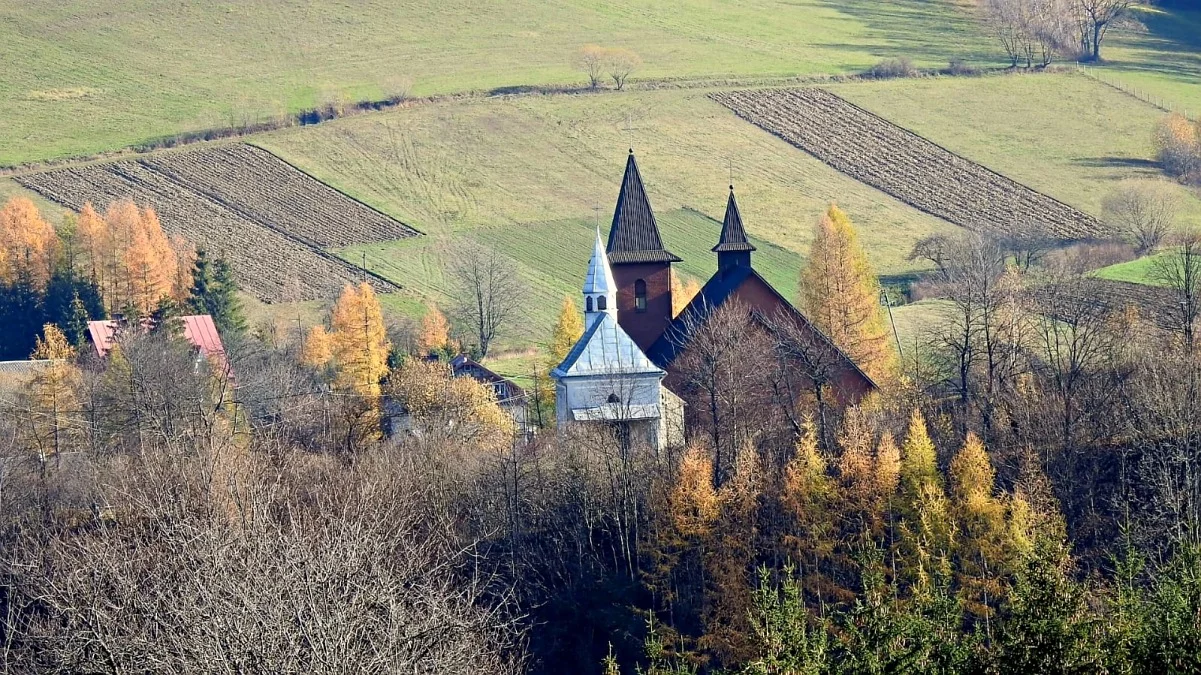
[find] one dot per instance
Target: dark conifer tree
(215, 292)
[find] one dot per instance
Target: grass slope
(516, 173)
(83, 76)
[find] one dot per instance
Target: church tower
(733, 248)
(641, 266)
(600, 290)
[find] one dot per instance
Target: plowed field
(916, 171)
(270, 220)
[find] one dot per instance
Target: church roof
(716, 291)
(733, 235)
(599, 280)
(605, 349)
(634, 236)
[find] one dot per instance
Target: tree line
(1020, 496)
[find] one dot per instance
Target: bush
(1178, 147)
(889, 68)
(961, 68)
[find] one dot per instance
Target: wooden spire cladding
(733, 235)
(733, 249)
(634, 237)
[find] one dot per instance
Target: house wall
(644, 327)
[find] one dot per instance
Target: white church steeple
(600, 291)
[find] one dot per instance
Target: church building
(624, 367)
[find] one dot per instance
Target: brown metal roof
(634, 236)
(733, 235)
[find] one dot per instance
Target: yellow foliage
(568, 329)
(694, 504)
(682, 292)
(437, 401)
(919, 464)
(27, 243)
(888, 466)
(94, 241)
(841, 295)
(855, 463)
(142, 266)
(318, 348)
(360, 341)
(434, 335)
(972, 474)
(51, 394)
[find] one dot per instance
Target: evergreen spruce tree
(215, 292)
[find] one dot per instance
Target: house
(198, 330)
(625, 369)
(511, 398)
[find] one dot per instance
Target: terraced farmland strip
(271, 263)
(916, 171)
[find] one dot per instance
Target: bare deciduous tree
(620, 63)
(487, 291)
(1096, 18)
(591, 60)
(1180, 270)
(1143, 211)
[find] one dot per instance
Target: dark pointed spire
(733, 235)
(634, 236)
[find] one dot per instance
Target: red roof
(199, 330)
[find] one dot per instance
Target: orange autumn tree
(841, 295)
(434, 335)
(360, 342)
(94, 244)
(140, 266)
(318, 348)
(682, 292)
(27, 243)
(51, 395)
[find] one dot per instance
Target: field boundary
(335, 188)
(955, 154)
(988, 199)
(314, 116)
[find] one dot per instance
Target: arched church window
(640, 295)
(602, 303)
(588, 304)
(614, 398)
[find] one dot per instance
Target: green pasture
(84, 76)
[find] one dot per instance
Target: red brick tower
(641, 266)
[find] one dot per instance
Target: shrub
(961, 68)
(889, 68)
(1178, 146)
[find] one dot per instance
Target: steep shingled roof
(713, 294)
(733, 235)
(634, 236)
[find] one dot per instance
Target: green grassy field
(1141, 271)
(1161, 62)
(527, 175)
(86, 75)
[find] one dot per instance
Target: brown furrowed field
(907, 166)
(272, 221)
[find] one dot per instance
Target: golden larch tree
(682, 292)
(728, 561)
(568, 329)
(360, 341)
(810, 497)
(841, 295)
(27, 243)
(318, 349)
(928, 529)
(981, 519)
(51, 394)
(95, 243)
(434, 334)
(143, 266)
